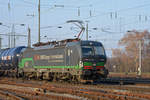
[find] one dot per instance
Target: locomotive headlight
(17, 55)
(91, 43)
(94, 64)
(80, 64)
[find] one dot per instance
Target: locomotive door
(68, 56)
(72, 56)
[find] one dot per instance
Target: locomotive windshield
(92, 50)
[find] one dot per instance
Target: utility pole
(29, 37)
(140, 58)
(87, 30)
(9, 40)
(39, 22)
(0, 43)
(14, 38)
(12, 35)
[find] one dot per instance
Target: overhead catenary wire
(47, 10)
(83, 6)
(120, 10)
(28, 2)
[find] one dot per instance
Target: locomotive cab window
(87, 50)
(92, 50)
(99, 50)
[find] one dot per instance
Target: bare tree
(127, 59)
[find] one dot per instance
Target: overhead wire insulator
(140, 18)
(116, 15)
(78, 11)
(9, 6)
(90, 10)
(145, 18)
(111, 15)
(90, 13)
(59, 6)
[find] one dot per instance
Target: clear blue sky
(125, 16)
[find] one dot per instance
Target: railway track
(122, 81)
(7, 95)
(31, 91)
(18, 89)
